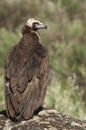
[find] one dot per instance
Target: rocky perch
(46, 119)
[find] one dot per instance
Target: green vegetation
(66, 42)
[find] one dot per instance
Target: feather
(26, 76)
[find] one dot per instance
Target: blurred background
(66, 43)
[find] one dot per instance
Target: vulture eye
(35, 23)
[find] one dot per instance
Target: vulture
(26, 73)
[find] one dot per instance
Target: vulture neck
(31, 38)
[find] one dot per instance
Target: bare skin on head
(26, 73)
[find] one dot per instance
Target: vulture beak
(40, 26)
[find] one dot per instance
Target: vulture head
(33, 25)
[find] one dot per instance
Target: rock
(45, 119)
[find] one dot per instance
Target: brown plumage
(26, 73)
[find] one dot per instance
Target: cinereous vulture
(26, 73)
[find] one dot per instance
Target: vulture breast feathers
(26, 73)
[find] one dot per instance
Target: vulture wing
(26, 76)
